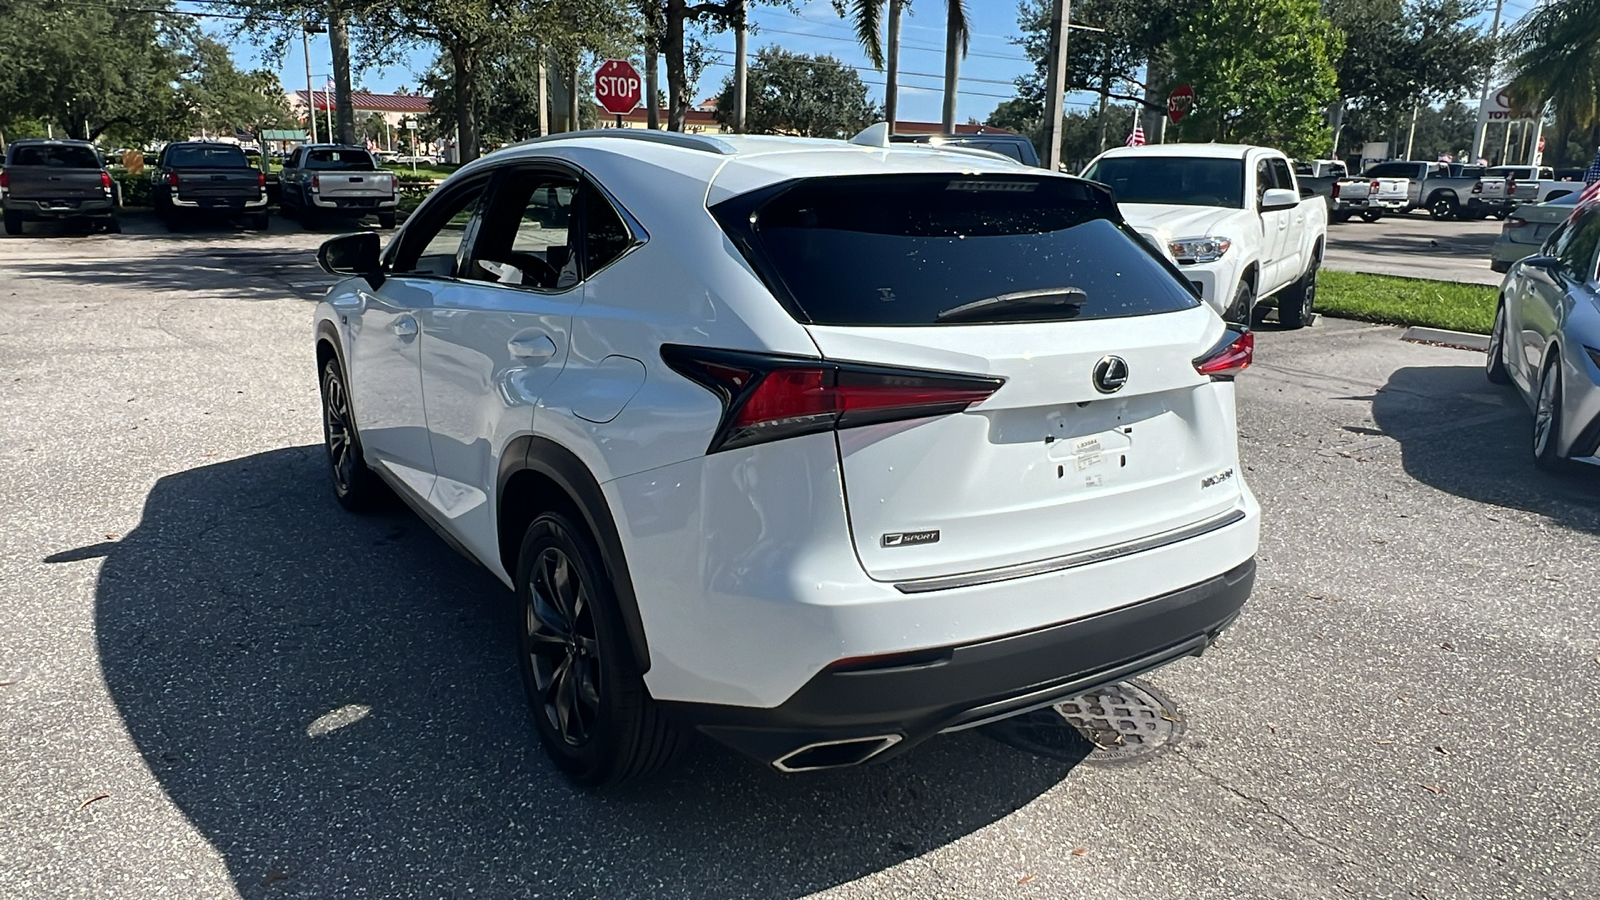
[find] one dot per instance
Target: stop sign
(617, 86)
(1180, 102)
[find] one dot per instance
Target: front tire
(595, 718)
(355, 486)
(1547, 422)
(1442, 208)
(1244, 302)
(1494, 368)
(1297, 304)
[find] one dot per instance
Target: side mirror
(1276, 198)
(352, 254)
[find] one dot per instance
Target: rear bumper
(222, 204)
(1491, 203)
(356, 205)
(849, 714)
(59, 209)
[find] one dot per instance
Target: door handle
(536, 348)
(405, 328)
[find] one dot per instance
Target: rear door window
(913, 249)
(1393, 170)
(340, 159)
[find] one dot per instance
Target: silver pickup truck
(1502, 188)
(1443, 189)
(1346, 196)
(325, 180)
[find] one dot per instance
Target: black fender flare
(567, 471)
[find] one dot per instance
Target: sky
(987, 74)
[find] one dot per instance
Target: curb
(1460, 340)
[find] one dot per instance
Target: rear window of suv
(67, 157)
(906, 250)
(217, 156)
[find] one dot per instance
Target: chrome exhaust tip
(834, 754)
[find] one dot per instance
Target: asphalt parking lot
(215, 683)
(1415, 246)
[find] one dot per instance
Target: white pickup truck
(1233, 217)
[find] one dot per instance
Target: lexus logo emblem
(1110, 374)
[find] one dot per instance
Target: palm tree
(866, 16)
(1558, 59)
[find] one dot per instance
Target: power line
(903, 45)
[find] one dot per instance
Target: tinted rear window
(901, 249)
(217, 156)
(55, 157)
(343, 160)
(1393, 170)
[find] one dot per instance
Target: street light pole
(740, 68)
(1056, 83)
(1483, 99)
(311, 94)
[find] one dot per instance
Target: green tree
(1558, 59)
(1262, 72)
(800, 94)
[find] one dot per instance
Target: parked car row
(1446, 190)
(45, 179)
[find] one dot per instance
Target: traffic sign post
(618, 88)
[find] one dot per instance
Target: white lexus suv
(816, 448)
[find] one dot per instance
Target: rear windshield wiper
(1064, 302)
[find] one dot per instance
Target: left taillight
(1231, 355)
(5, 180)
(105, 181)
(261, 180)
(768, 397)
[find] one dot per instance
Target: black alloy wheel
(595, 717)
(563, 649)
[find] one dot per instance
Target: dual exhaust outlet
(834, 754)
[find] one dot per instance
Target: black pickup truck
(196, 178)
(48, 179)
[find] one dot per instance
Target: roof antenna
(873, 136)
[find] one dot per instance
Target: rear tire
(1442, 208)
(386, 220)
(1494, 368)
(1297, 303)
(13, 224)
(1340, 217)
(1547, 422)
(113, 225)
(1371, 215)
(356, 487)
(596, 720)
(260, 221)
(1501, 215)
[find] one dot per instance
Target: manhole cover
(1118, 723)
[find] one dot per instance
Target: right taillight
(172, 179)
(1373, 187)
(767, 397)
(1336, 190)
(1231, 355)
(5, 180)
(1477, 187)
(1516, 222)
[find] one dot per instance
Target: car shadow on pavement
(225, 273)
(1463, 435)
(333, 702)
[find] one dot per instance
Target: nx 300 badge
(907, 538)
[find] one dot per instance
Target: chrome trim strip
(1071, 560)
(885, 741)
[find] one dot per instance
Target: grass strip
(1407, 301)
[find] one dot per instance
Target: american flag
(1135, 137)
(1589, 197)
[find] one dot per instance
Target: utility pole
(652, 114)
(544, 99)
(1056, 83)
(891, 89)
(741, 67)
(1488, 79)
(952, 68)
(311, 92)
(1411, 136)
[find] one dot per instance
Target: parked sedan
(1525, 231)
(815, 448)
(1546, 339)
